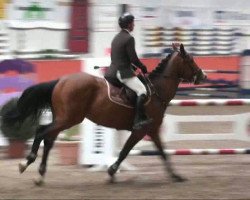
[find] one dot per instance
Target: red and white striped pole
(210, 102)
(191, 152)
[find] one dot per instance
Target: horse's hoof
(112, 170)
(22, 167)
(112, 179)
(177, 178)
(39, 182)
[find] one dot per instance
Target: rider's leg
(136, 85)
(141, 118)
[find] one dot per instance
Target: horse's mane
(160, 67)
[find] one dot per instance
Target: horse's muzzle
(200, 77)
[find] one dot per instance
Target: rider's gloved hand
(144, 69)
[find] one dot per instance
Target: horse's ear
(182, 50)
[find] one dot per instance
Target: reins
(154, 90)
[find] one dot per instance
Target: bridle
(195, 71)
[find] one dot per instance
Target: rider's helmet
(125, 20)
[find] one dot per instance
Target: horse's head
(187, 69)
(179, 65)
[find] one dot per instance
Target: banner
(78, 36)
(29, 10)
(151, 14)
(105, 17)
(232, 17)
(187, 17)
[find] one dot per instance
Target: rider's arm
(133, 55)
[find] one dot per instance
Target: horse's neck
(172, 86)
(171, 81)
(167, 83)
(166, 87)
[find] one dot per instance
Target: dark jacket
(123, 54)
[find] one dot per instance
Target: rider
(123, 60)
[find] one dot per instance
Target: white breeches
(133, 83)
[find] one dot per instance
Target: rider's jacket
(123, 54)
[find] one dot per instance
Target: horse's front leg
(157, 141)
(133, 139)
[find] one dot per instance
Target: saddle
(121, 94)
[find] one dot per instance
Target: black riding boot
(141, 118)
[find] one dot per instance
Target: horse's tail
(31, 103)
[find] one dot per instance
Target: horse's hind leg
(133, 139)
(34, 149)
(157, 141)
(48, 144)
(50, 136)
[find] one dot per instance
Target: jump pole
(191, 152)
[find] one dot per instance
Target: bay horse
(77, 96)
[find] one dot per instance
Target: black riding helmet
(125, 20)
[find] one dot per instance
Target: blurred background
(88, 26)
(58, 37)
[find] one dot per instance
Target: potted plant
(68, 146)
(17, 133)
